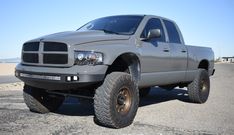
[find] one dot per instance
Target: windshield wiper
(109, 31)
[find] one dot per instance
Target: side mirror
(154, 33)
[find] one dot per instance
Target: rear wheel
(116, 101)
(199, 89)
(38, 100)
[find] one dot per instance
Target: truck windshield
(122, 25)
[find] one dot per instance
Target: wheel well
(129, 63)
(204, 64)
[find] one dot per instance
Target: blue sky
(202, 22)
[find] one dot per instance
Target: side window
(172, 32)
(153, 23)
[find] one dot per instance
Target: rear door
(178, 50)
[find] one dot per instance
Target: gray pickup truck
(114, 61)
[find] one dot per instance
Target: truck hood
(76, 37)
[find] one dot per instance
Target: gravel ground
(162, 112)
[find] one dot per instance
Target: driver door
(155, 52)
(155, 56)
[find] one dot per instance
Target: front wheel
(199, 89)
(116, 101)
(38, 100)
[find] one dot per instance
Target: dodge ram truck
(114, 61)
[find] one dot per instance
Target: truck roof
(142, 15)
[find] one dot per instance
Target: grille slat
(55, 58)
(31, 46)
(55, 46)
(30, 57)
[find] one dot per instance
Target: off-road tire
(143, 92)
(38, 100)
(198, 90)
(107, 97)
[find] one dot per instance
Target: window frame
(176, 28)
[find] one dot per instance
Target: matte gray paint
(158, 67)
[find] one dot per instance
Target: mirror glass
(154, 33)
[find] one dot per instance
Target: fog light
(75, 78)
(69, 78)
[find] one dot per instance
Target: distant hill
(10, 60)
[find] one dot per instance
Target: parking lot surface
(162, 112)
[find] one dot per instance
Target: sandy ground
(7, 73)
(162, 112)
(7, 69)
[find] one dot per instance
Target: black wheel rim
(204, 89)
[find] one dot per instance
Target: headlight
(88, 58)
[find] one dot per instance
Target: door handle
(165, 49)
(183, 51)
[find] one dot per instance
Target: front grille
(30, 57)
(45, 53)
(55, 58)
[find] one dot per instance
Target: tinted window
(153, 24)
(125, 25)
(172, 32)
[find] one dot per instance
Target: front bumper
(53, 78)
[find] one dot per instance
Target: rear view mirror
(154, 33)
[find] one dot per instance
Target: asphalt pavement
(162, 112)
